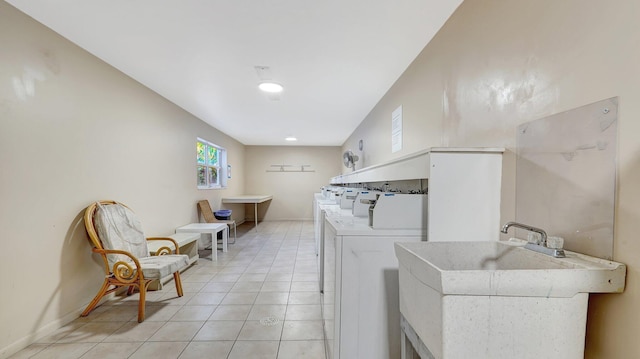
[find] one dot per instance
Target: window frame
(220, 166)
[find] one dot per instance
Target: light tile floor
(259, 300)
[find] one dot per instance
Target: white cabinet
(464, 195)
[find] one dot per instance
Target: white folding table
(255, 199)
(214, 229)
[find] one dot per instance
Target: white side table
(213, 229)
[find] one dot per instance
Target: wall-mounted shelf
(290, 168)
(413, 166)
(409, 167)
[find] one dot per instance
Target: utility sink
(505, 268)
(498, 299)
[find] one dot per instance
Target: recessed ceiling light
(290, 138)
(270, 87)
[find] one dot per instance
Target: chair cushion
(157, 267)
(119, 228)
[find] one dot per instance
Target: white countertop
(348, 225)
(332, 209)
(249, 198)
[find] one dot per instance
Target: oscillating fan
(349, 159)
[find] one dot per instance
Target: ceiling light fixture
(271, 87)
(290, 138)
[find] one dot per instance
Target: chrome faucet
(540, 247)
(543, 234)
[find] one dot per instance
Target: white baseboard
(45, 330)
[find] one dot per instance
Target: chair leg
(142, 301)
(131, 289)
(178, 281)
(96, 299)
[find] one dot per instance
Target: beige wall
(98, 134)
(497, 64)
(292, 191)
(74, 130)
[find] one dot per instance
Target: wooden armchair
(116, 234)
(209, 217)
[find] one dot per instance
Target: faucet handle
(534, 237)
(555, 242)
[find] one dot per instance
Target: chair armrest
(165, 250)
(122, 270)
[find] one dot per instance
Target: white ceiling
(336, 59)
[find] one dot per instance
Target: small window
(211, 162)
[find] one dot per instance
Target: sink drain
(269, 321)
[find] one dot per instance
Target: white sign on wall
(396, 130)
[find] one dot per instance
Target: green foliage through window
(200, 152)
(209, 161)
(213, 156)
(202, 176)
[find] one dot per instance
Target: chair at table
(116, 235)
(209, 217)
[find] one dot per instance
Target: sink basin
(505, 268)
(498, 300)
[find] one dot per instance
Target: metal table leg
(255, 213)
